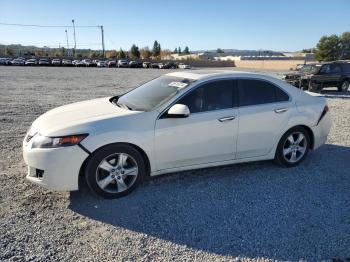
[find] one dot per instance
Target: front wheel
(293, 147)
(312, 87)
(115, 170)
(344, 86)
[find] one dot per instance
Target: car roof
(205, 74)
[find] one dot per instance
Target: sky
(278, 25)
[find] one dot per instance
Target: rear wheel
(293, 147)
(115, 170)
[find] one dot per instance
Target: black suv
(314, 77)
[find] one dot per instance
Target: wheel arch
(139, 149)
(309, 131)
(345, 78)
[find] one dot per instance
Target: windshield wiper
(114, 101)
(123, 106)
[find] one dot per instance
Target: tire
(312, 88)
(300, 149)
(344, 86)
(115, 170)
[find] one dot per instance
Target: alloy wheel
(345, 86)
(116, 173)
(294, 147)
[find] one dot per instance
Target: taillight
(324, 112)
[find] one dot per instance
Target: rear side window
(257, 92)
(209, 97)
(335, 68)
(346, 67)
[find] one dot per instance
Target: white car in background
(56, 62)
(176, 122)
(31, 62)
(184, 66)
(101, 64)
(18, 61)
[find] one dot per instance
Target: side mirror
(178, 111)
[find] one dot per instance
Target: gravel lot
(244, 212)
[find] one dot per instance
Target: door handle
(227, 118)
(281, 110)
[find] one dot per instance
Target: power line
(47, 43)
(57, 26)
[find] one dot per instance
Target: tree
(57, 52)
(156, 49)
(145, 53)
(186, 50)
(179, 50)
(328, 48)
(219, 51)
(175, 51)
(134, 51)
(307, 51)
(121, 54)
(111, 54)
(164, 54)
(63, 51)
(345, 45)
(8, 51)
(96, 54)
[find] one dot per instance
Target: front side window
(257, 92)
(326, 69)
(210, 96)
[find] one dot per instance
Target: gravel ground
(245, 212)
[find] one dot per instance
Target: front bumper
(54, 168)
(293, 82)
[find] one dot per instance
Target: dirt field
(269, 64)
(256, 211)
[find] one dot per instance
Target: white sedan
(176, 122)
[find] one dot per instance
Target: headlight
(52, 142)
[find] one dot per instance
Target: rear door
(264, 110)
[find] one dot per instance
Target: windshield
(153, 93)
(310, 69)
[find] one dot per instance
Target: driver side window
(325, 69)
(209, 97)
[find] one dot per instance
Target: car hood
(293, 74)
(78, 113)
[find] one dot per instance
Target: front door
(207, 135)
(329, 75)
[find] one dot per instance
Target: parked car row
(314, 77)
(122, 63)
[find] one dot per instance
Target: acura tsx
(176, 122)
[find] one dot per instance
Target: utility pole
(67, 52)
(67, 38)
(103, 41)
(75, 40)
